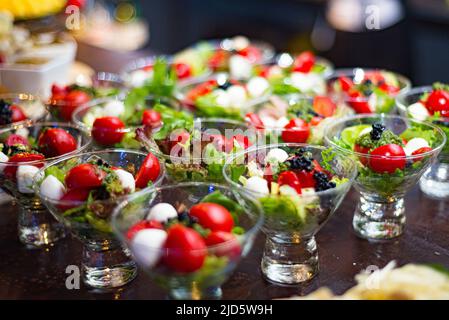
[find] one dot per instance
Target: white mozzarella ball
(3, 158)
(24, 132)
(365, 131)
(162, 212)
(257, 184)
(222, 98)
(25, 175)
(240, 43)
(276, 156)
(301, 81)
(237, 95)
(415, 144)
(138, 78)
(240, 67)
(52, 188)
(257, 86)
(146, 246)
(282, 122)
(114, 108)
(126, 180)
(418, 111)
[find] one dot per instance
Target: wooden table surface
(40, 274)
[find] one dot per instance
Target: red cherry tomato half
(149, 171)
(254, 120)
(11, 170)
(297, 130)
(304, 62)
(389, 89)
(359, 103)
(74, 198)
(345, 83)
(142, 225)
(212, 216)
(227, 244)
(151, 118)
(438, 101)
(387, 158)
(306, 179)
(14, 139)
(315, 121)
(201, 90)
(84, 176)
(108, 130)
(290, 178)
(185, 249)
(218, 59)
(58, 90)
(183, 71)
(364, 150)
(55, 142)
(17, 114)
(324, 106)
(420, 151)
(72, 100)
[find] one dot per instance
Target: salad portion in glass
(82, 190)
(220, 96)
(24, 149)
(367, 90)
(392, 154)
(20, 108)
(196, 150)
(235, 55)
(294, 118)
(431, 104)
(65, 100)
(289, 74)
(189, 237)
(299, 187)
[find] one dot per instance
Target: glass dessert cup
(378, 104)
(221, 259)
(292, 221)
(36, 226)
(197, 163)
(125, 137)
(105, 264)
(275, 112)
(435, 181)
(380, 212)
(31, 106)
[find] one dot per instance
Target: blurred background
(407, 36)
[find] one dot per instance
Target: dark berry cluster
(102, 163)
(322, 181)
(15, 149)
(377, 131)
(5, 112)
(301, 163)
(224, 86)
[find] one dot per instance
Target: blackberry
(102, 163)
(377, 131)
(322, 181)
(5, 112)
(301, 163)
(299, 152)
(225, 86)
(183, 216)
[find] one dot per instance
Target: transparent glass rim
(22, 97)
(248, 233)
(143, 62)
(61, 125)
(344, 185)
(41, 173)
(341, 121)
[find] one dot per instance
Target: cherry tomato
(55, 142)
(306, 179)
(108, 130)
(151, 118)
(389, 89)
(149, 171)
(420, 151)
(212, 216)
(142, 225)
(242, 140)
(74, 197)
(79, 3)
(438, 101)
(58, 90)
(345, 83)
(358, 102)
(324, 106)
(201, 90)
(185, 249)
(14, 139)
(183, 71)
(72, 100)
(315, 121)
(297, 130)
(254, 120)
(374, 76)
(264, 71)
(84, 176)
(227, 244)
(17, 114)
(11, 170)
(290, 178)
(392, 157)
(252, 53)
(364, 150)
(218, 59)
(304, 62)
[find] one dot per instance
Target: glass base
(213, 293)
(37, 227)
(107, 266)
(379, 220)
(290, 262)
(435, 181)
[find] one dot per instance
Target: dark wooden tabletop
(40, 274)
